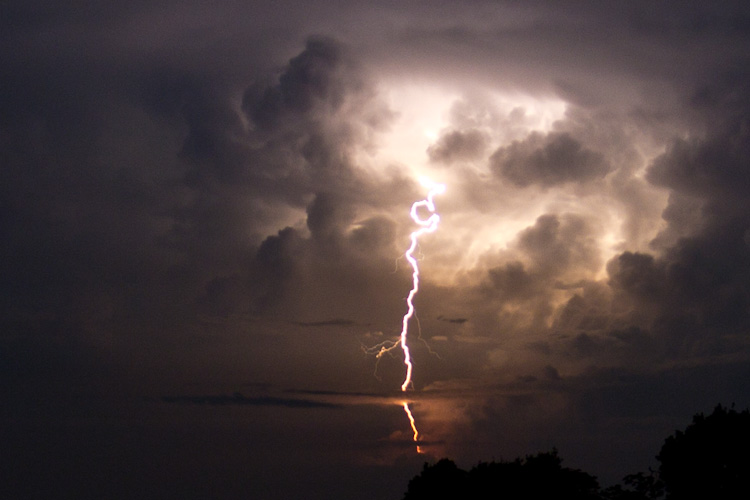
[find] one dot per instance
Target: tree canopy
(536, 476)
(709, 459)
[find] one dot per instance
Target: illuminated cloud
(457, 145)
(195, 198)
(555, 159)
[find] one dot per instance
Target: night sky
(204, 208)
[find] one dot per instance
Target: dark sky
(204, 207)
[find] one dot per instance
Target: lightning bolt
(428, 225)
(413, 425)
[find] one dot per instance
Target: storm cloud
(555, 159)
(199, 200)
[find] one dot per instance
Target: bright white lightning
(428, 225)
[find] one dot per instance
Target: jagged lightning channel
(428, 225)
(413, 423)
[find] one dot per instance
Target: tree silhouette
(641, 487)
(442, 480)
(537, 476)
(710, 459)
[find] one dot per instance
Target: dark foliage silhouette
(441, 480)
(710, 459)
(537, 476)
(640, 486)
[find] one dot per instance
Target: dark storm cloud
(705, 168)
(327, 215)
(706, 172)
(177, 229)
(512, 280)
(314, 120)
(548, 160)
(669, 296)
(588, 312)
(240, 400)
(693, 292)
(317, 78)
(458, 321)
(143, 215)
(555, 243)
(679, 302)
(191, 198)
(458, 145)
(328, 322)
(309, 124)
(552, 248)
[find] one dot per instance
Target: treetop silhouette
(709, 459)
(536, 476)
